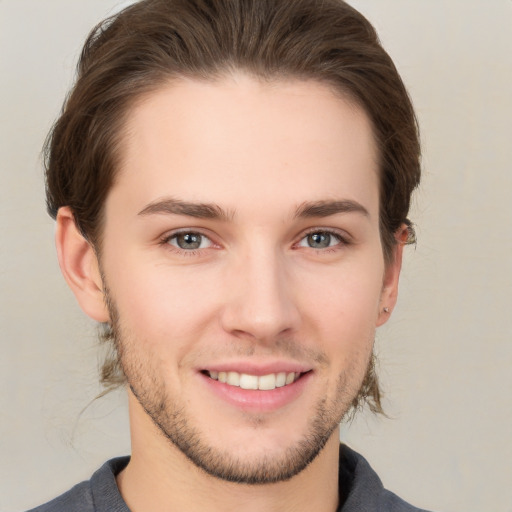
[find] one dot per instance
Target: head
(153, 46)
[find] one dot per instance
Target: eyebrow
(327, 208)
(213, 211)
(177, 207)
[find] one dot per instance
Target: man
(231, 182)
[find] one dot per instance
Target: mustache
(282, 347)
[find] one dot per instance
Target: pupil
(319, 240)
(189, 241)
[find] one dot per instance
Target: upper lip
(253, 368)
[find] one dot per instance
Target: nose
(262, 303)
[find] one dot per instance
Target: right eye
(189, 241)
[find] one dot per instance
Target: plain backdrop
(446, 355)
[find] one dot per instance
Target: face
(244, 268)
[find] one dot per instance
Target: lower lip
(256, 400)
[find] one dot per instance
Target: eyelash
(165, 241)
(343, 240)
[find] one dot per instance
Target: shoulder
(364, 488)
(77, 499)
(98, 494)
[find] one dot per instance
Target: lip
(255, 400)
(258, 369)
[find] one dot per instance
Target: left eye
(320, 240)
(190, 241)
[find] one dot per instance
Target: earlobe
(79, 266)
(389, 294)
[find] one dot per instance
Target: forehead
(240, 140)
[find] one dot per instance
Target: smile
(262, 382)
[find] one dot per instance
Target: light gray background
(446, 355)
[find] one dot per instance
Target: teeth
(280, 380)
(248, 381)
(267, 382)
(233, 379)
(263, 382)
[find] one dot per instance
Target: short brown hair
(146, 44)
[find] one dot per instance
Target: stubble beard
(173, 422)
(175, 425)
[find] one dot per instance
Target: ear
(389, 294)
(79, 265)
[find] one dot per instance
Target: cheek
(345, 299)
(338, 305)
(156, 302)
(343, 319)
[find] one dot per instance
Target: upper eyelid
(342, 234)
(175, 232)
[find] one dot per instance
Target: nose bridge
(261, 303)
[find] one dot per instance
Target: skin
(277, 162)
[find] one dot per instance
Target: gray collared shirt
(360, 490)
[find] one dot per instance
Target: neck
(159, 477)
